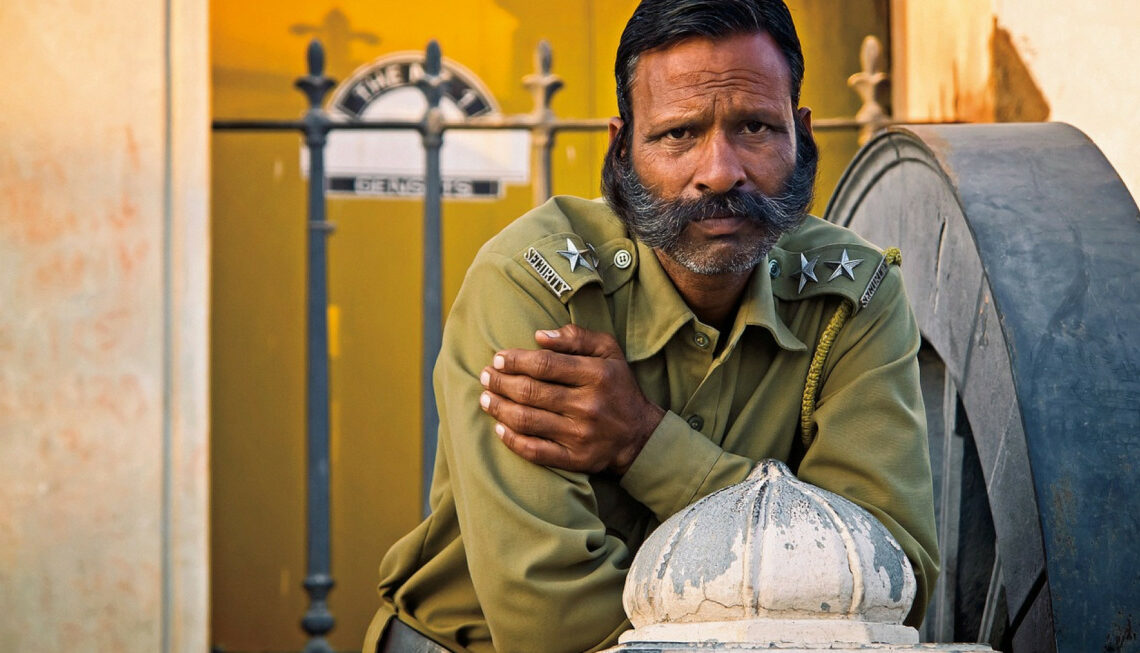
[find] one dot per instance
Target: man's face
(712, 151)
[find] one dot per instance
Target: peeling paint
(1122, 636)
(711, 562)
(734, 554)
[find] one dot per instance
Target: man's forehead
(748, 61)
(720, 77)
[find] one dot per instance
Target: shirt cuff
(671, 468)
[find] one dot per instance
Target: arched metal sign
(1020, 254)
(474, 164)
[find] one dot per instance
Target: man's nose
(721, 168)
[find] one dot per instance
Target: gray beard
(660, 223)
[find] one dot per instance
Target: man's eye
(754, 127)
(677, 133)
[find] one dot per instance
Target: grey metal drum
(1021, 255)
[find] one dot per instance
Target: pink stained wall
(103, 325)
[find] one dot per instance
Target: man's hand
(574, 404)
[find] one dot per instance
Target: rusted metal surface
(1019, 246)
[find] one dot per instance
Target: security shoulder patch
(547, 273)
(563, 262)
(851, 271)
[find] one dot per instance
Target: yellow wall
(258, 273)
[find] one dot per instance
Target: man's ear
(805, 118)
(615, 126)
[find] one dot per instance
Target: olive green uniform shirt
(521, 557)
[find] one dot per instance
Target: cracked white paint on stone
(772, 562)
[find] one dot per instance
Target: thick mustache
(733, 204)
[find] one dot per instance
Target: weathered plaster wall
(103, 348)
(941, 62)
(1024, 60)
(1083, 56)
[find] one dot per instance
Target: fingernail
(485, 378)
(551, 334)
(498, 362)
(500, 430)
(485, 400)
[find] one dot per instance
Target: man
(689, 326)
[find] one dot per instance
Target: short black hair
(661, 23)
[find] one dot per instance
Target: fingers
(523, 419)
(545, 365)
(528, 391)
(573, 339)
(574, 404)
(539, 436)
(538, 450)
(569, 356)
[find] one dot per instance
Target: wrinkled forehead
(748, 63)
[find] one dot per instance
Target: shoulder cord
(811, 388)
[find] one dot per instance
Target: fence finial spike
(545, 57)
(316, 84)
(870, 54)
(542, 83)
(316, 57)
(871, 115)
(433, 62)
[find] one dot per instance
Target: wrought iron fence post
(318, 621)
(543, 85)
(431, 84)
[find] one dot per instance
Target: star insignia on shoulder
(806, 272)
(844, 266)
(587, 258)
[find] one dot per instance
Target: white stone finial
(871, 115)
(770, 561)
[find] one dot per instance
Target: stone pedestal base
(802, 632)
(707, 647)
(785, 635)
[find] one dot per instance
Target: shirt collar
(657, 310)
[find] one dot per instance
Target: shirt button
(622, 259)
(696, 422)
(701, 340)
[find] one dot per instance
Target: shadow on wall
(1017, 98)
(336, 34)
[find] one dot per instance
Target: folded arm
(871, 443)
(547, 574)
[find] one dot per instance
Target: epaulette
(805, 281)
(851, 271)
(565, 263)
